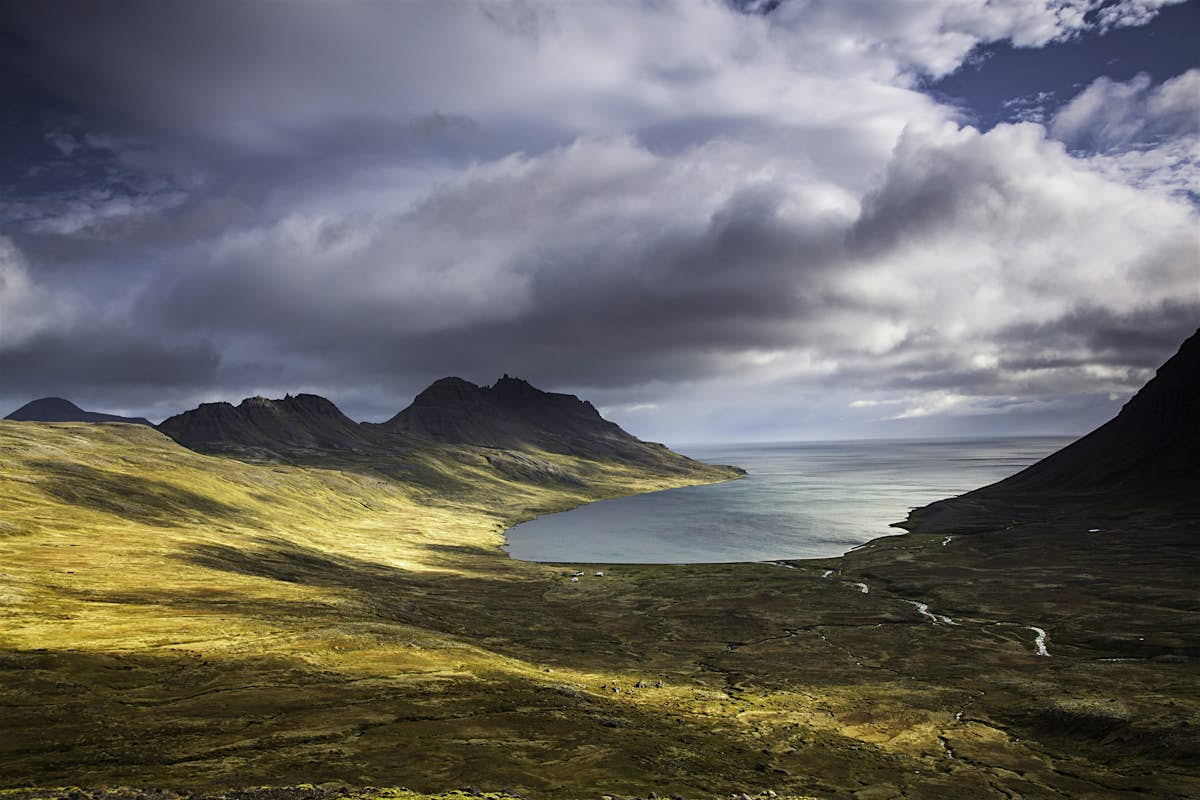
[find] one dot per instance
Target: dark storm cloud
(1096, 335)
(113, 365)
(673, 205)
(569, 305)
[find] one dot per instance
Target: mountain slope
(512, 414)
(293, 424)
(57, 409)
(1145, 458)
(1153, 444)
(271, 625)
(520, 432)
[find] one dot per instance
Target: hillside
(1145, 459)
(1151, 447)
(512, 414)
(272, 624)
(56, 409)
(520, 431)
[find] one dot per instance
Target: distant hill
(56, 409)
(512, 426)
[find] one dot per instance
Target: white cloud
(933, 403)
(979, 267)
(1172, 167)
(1113, 115)
(973, 233)
(640, 200)
(1138, 133)
(96, 212)
(26, 308)
(250, 76)
(1129, 13)
(65, 143)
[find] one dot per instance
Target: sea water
(807, 500)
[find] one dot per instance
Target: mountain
(1147, 457)
(1152, 445)
(513, 415)
(259, 426)
(512, 427)
(56, 409)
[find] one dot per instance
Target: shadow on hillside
(131, 497)
(446, 602)
(452, 553)
(506, 610)
(280, 560)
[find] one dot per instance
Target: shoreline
(504, 533)
(883, 510)
(770, 560)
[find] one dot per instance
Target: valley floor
(175, 620)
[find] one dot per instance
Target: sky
(719, 221)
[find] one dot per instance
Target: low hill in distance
(57, 409)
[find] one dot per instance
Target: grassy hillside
(95, 515)
(169, 619)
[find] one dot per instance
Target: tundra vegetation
(173, 622)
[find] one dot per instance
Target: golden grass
(117, 510)
(169, 618)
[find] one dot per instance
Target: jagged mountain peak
(445, 390)
(291, 423)
(507, 383)
(291, 403)
(512, 414)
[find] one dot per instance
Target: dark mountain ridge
(1145, 458)
(1153, 444)
(513, 415)
(509, 424)
(302, 422)
(58, 409)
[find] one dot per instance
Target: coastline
(807, 501)
(505, 543)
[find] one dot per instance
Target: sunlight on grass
(273, 624)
